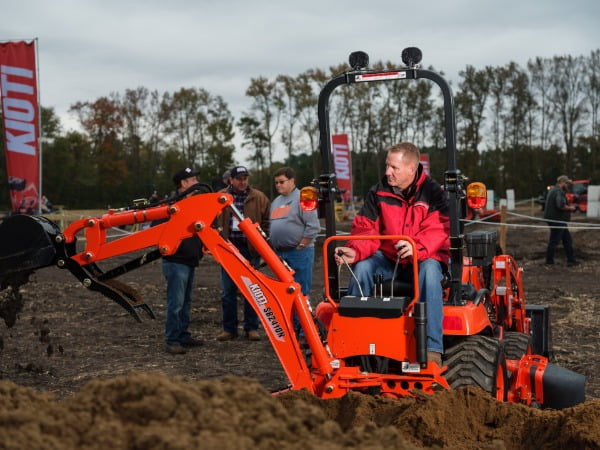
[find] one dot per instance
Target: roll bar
(453, 180)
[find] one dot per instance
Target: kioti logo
(265, 310)
(18, 107)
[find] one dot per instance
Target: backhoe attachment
(26, 244)
(29, 243)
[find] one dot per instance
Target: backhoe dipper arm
(274, 299)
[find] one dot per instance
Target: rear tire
(517, 345)
(478, 361)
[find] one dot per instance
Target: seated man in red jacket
(405, 202)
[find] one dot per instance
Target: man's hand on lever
(405, 250)
(344, 255)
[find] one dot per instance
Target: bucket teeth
(131, 296)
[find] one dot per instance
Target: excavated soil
(76, 371)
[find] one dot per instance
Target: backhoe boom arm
(273, 298)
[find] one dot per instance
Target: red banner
(20, 123)
(342, 160)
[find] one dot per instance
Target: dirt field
(77, 371)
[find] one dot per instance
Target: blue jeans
(430, 288)
(557, 235)
(180, 281)
(229, 300)
(302, 262)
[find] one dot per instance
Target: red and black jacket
(422, 214)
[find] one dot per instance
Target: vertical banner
(343, 165)
(20, 123)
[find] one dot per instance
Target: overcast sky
(90, 48)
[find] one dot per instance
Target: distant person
(219, 184)
(293, 231)
(153, 198)
(27, 206)
(254, 205)
(178, 270)
(557, 212)
(46, 205)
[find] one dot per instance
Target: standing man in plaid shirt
(255, 205)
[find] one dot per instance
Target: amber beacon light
(308, 198)
(476, 195)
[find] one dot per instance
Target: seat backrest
(401, 288)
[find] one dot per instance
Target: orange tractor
(374, 345)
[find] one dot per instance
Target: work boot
(192, 342)
(435, 357)
(573, 263)
(253, 335)
(175, 349)
(226, 336)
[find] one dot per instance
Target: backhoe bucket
(26, 244)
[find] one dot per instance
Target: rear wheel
(516, 345)
(478, 361)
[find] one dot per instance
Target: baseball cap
(183, 174)
(564, 179)
(239, 171)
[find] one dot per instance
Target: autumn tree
(290, 91)
(568, 99)
(257, 142)
(592, 88)
(541, 86)
(470, 104)
(265, 110)
(102, 122)
(220, 148)
(308, 86)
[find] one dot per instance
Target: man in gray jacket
(293, 230)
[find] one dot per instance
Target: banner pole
(41, 131)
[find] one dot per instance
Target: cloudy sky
(89, 48)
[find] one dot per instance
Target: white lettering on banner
(18, 109)
(19, 113)
(8, 86)
(341, 161)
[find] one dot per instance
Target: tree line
(517, 127)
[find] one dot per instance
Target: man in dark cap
(178, 270)
(254, 205)
(557, 213)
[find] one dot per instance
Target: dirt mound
(68, 340)
(154, 411)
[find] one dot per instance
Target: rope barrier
(584, 225)
(545, 220)
(517, 225)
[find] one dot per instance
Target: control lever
(394, 275)
(340, 253)
(378, 284)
